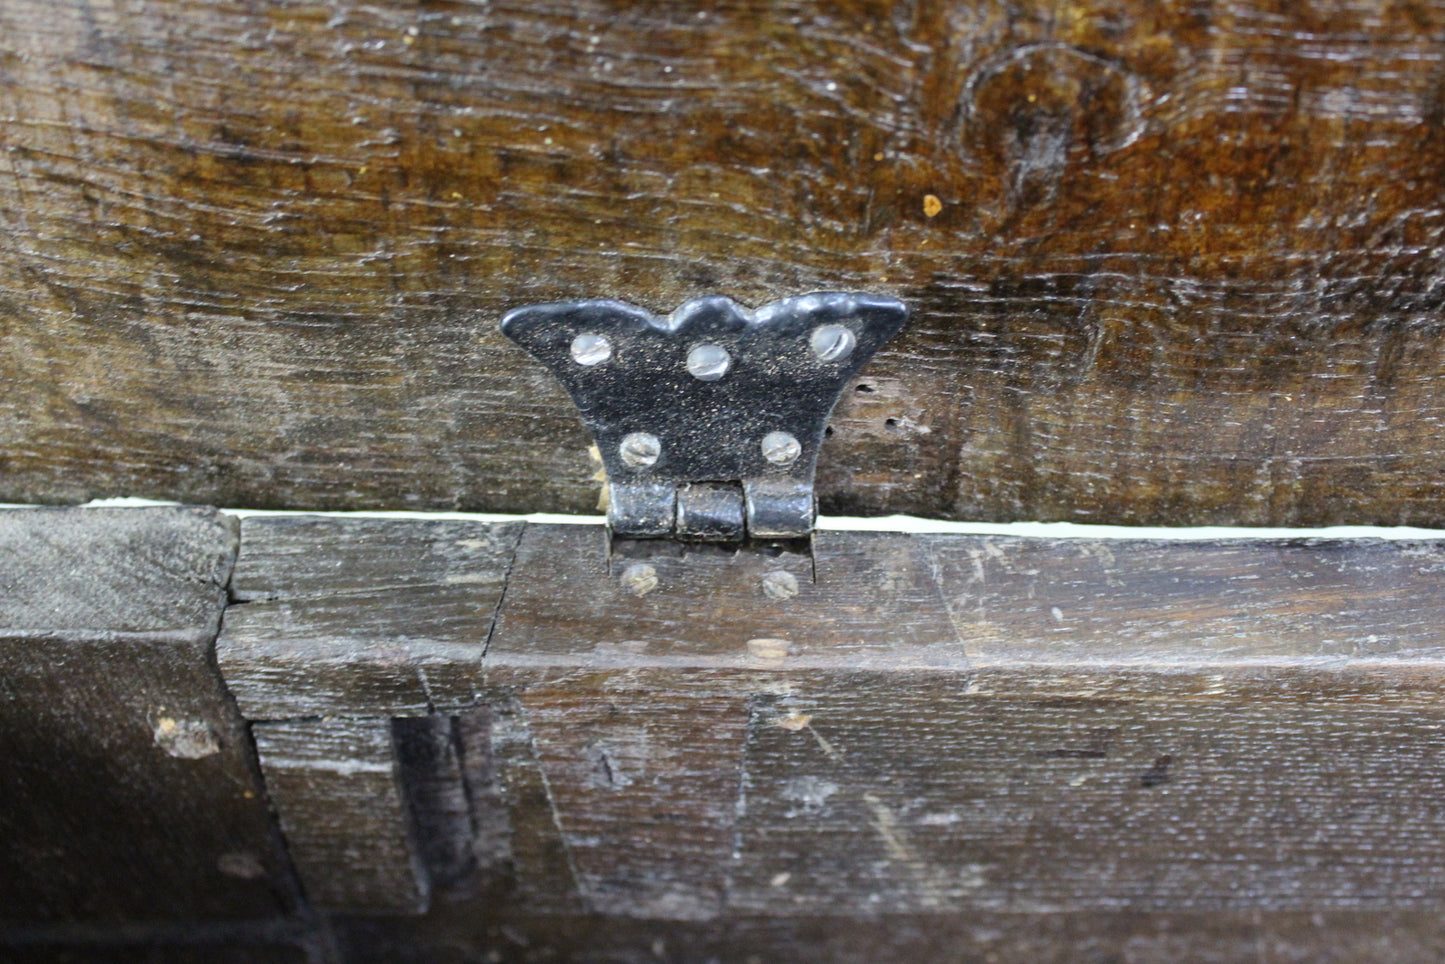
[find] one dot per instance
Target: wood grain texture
(861, 600)
(361, 617)
(384, 815)
(998, 937)
(336, 786)
(524, 838)
(1183, 264)
(644, 791)
(128, 790)
(936, 817)
(1014, 800)
(115, 574)
(1162, 735)
(1090, 602)
(176, 947)
(875, 793)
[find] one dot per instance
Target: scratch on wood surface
(934, 885)
(886, 826)
(829, 750)
(796, 722)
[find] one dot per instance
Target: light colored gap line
(893, 523)
(1076, 530)
(549, 518)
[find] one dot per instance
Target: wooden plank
(1211, 746)
(115, 574)
(361, 617)
(862, 600)
(1167, 264)
(302, 557)
(517, 823)
(1096, 602)
(337, 791)
(1135, 937)
(892, 792)
(129, 790)
(644, 791)
(914, 802)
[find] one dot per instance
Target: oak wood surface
(361, 617)
(1168, 262)
(1127, 937)
(943, 746)
(979, 725)
(1153, 604)
(128, 791)
(336, 787)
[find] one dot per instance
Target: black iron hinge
(708, 420)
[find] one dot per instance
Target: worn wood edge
(278, 668)
(193, 638)
(268, 546)
(498, 665)
(90, 546)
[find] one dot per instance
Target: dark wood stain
(943, 747)
(128, 791)
(1184, 268)
(361, 617)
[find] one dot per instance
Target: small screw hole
(891, 423)
(828, 432)
(864, 389)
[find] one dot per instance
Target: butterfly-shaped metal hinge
(708, 420)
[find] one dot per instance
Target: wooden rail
(495, 739)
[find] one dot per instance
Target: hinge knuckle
(779, 509)
(642, 511)
(710, 512)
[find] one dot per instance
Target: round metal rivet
(781, 448)
(833, 342)
(780, 585)
(708, 363)
(640, 450)
(590, 349)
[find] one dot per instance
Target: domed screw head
(781, 448)
(591, 349)
(708, 363)
(833, 342)
(640, 450)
